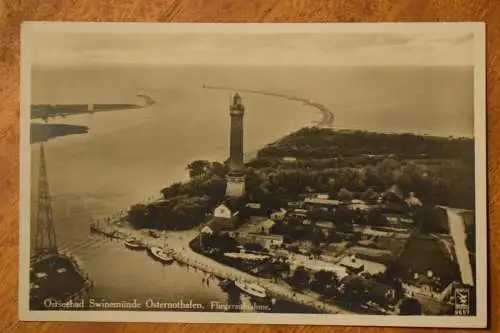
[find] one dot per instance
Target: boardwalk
(179, 242)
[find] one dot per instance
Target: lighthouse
(235, 178)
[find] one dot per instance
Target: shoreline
(184, 255)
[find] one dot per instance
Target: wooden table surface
(13, 12)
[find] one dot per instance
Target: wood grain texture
(13, 12)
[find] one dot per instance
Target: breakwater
(328, 116)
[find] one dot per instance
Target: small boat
(117, 234)
(226, 284)
(162, 255)
(252, 289)
(134, 243)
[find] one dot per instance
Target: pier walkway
(178, 241)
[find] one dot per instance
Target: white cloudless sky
(104, 44)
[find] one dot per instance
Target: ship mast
(45, 238)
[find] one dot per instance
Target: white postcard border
(475, 28)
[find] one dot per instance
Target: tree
(470, 240)
(316, 252)
(300, 278)
(219, 169)
(375, 218)
(280, 269)
(344, 218)
(214, 187)
(370, 195)
(255, 247)
(431, 220)
(278, 228)
(333, 237)
(198, 168)
(187, 212)
(410, 307)
(325, 282)
(172, 191)
(355, 291)
(318, 237)
(225, 243)
(259, 163)
(345, 195)
(138, 215)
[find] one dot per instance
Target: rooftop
(218, 224)
(323, 202)
(262, 236)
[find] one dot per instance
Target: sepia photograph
(324, 174)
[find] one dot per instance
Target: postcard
(326, 174)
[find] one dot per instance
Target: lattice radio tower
(45, 238)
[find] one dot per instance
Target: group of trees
(300, 278)
(179, 212)
(222, 243)
(326, 143)
(355, 291)
(185, 204)
(207, 179)
(446, 182)
(445, 176)
(325, 283)
(439, 170)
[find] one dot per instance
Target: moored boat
(161, 254)
(227, 285)
(252, 289)
(134, 244)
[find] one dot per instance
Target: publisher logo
(462, 302)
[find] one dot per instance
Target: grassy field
(423, 253)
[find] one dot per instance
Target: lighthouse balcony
(234, 174)
(236, 112)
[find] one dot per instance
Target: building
(352, 264)
(264, 227)
(297, 215)
(289, 159)
(427, 285)
(318, 265)
(312, 196)
(223, 211)
(318, 203)
(278, 215)
(267, 241)
(255, 209)
(357, 204)
(413, 201)
(325, 225)
(235, 179)
(369, 233)
(398, 219)
(223, 220)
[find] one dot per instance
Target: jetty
(178, 244)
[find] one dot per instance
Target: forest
(344, 164)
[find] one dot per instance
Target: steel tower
(45, 238)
